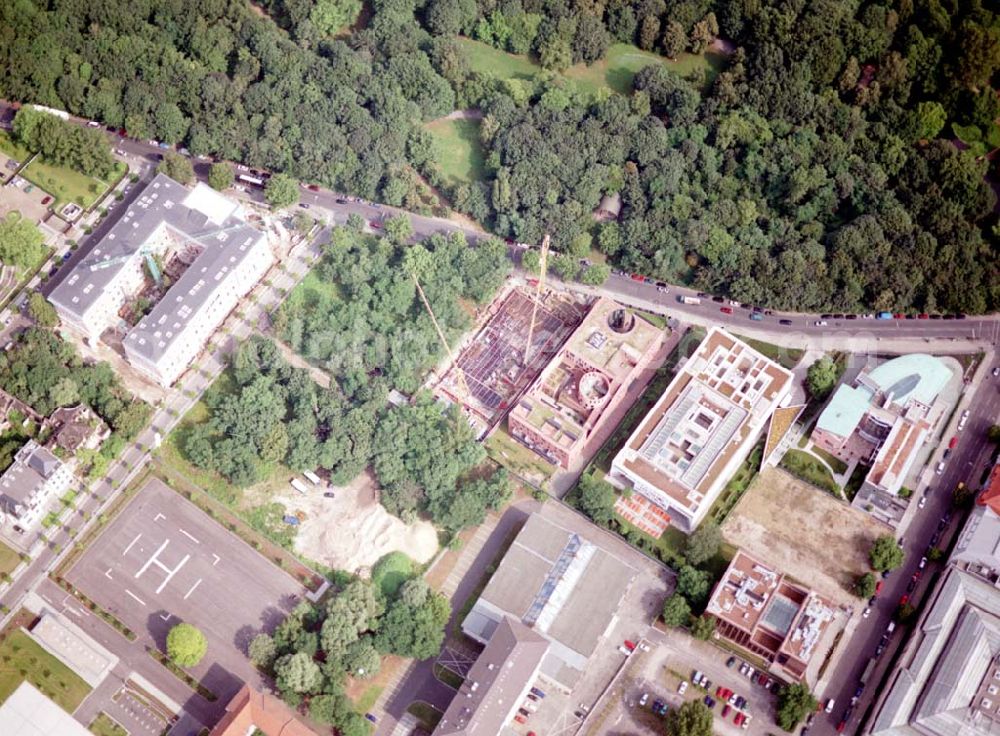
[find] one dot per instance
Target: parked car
(329, 494)
(923, 563)
(643, 700)
(829, 705)
(46, 199)
(731, 662)
(371, 718)
(709, 701)
(785, 322)
(725, 711)
(726, 310)
(820, 323)
(922, 502)
(682, 688)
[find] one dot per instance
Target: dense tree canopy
(816, 171)
(186, 645)
(64, 144)
(318, 645)
(45, 372)
(21, 243)
(368, 322)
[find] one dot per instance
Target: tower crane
(542, 266)
(463, 386)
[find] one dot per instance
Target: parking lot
(674, 656)
(163, 561)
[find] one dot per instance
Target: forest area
(838, 161)
(359, 317)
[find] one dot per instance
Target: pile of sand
(352, 531)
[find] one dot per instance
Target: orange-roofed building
(250, 709)
(991, 494)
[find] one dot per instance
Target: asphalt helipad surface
(163, 561)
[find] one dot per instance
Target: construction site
(521, 330)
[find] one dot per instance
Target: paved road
(339, 206)
(864, 334)
(966, 464)
(135, 456)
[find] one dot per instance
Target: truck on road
(689, 300)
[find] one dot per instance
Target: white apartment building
(223, 258)
(34, 479)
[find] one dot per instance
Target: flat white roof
(29, 713)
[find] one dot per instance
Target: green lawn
(312, 290)
(391, 571)
(103, 725)
(9, 559)
(67, 185)
(785, 357)
(457, 150)
(810, 469)
(13, 149)
(527, 465)
(615, 71)
(22, 659)
(427, 714)
(620, 65)
(838, 465)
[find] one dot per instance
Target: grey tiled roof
(160, 205)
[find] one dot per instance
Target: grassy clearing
(457, 150)
(391, 571)
(428, 715)
(9, 559)
(13, 149)
(838, 465)
(614, 72)
(22, 659)
(313, 290)
(103, 725)
(785, 357)
(809, 468)
(67, 185)
(620, 65)
(737, 485)
(518, 459)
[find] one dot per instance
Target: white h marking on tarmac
(152, 559)
(171, 573)
(136, 597)
(193, 539)
(131, 543)
(192, 589)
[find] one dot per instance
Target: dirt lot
(803, 532)
(352, 531)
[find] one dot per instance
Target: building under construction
(497, 365)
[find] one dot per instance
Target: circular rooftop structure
(593, 389)
(621, 321)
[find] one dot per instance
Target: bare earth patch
(353, 530)
(803, 532)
